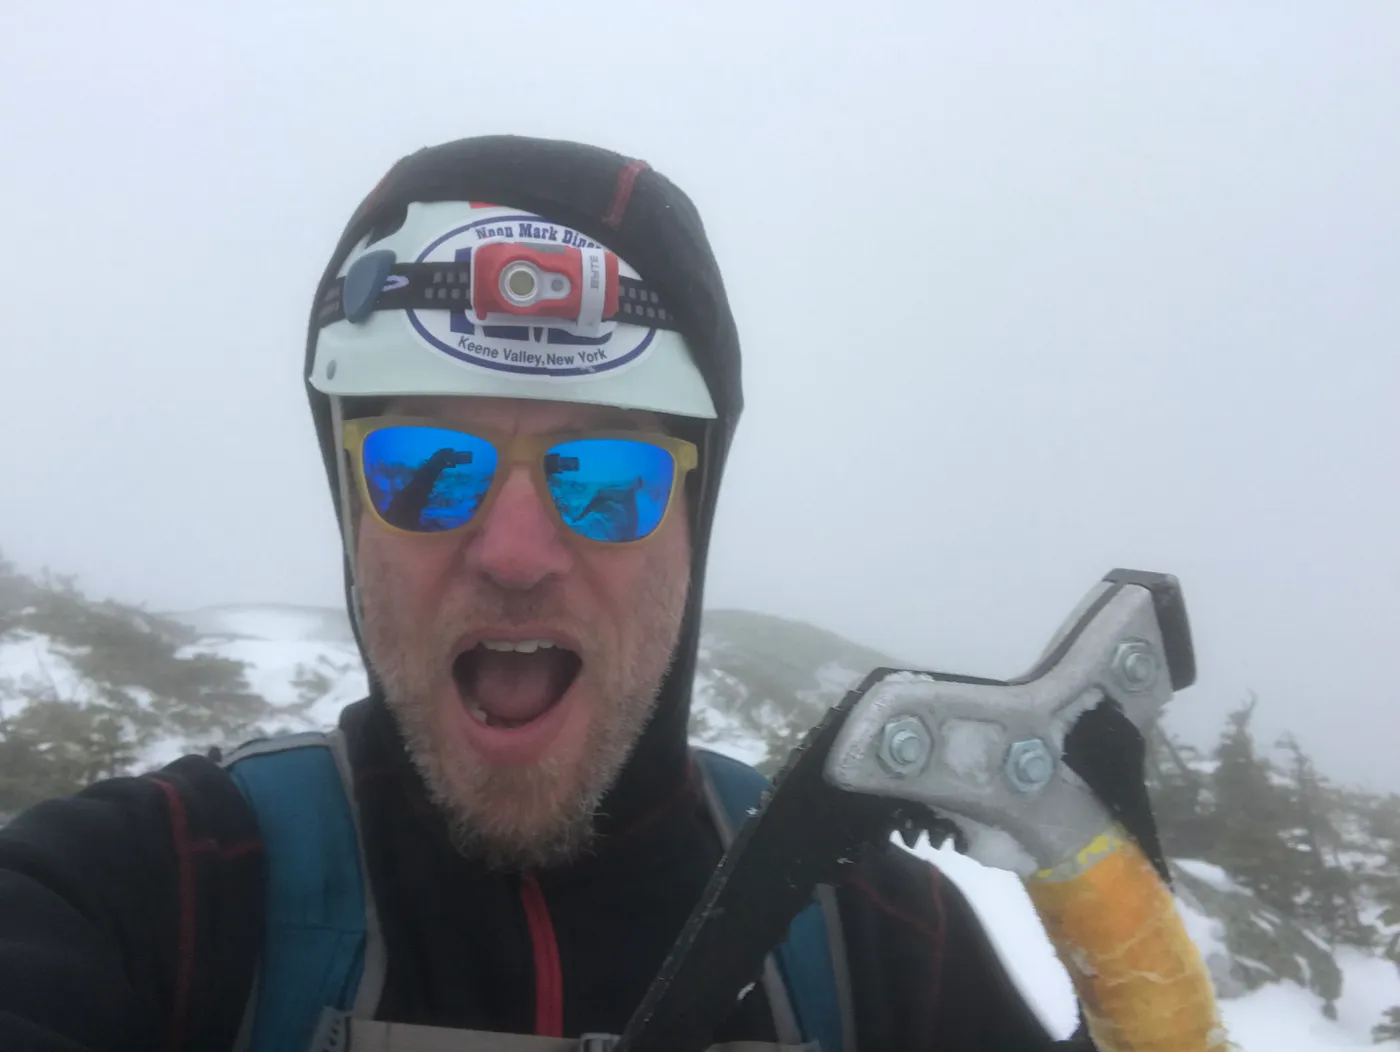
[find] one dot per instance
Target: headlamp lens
(521, 283)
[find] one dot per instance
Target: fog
(1026, 292)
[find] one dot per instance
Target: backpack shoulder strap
(321, 946)
(810, 965)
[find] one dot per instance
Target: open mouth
(511, 683)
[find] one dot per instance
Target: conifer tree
(1385, 823)
(1182, 801)
(1251, 812)
(1327, 897)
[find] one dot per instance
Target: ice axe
(1021, 769)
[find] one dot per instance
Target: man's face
(518, 747)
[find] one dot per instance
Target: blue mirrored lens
(610, 489)
(427, 479)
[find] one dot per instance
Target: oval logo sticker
(545, 348)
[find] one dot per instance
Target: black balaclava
(648, 221)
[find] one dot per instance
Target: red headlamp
(552, 281)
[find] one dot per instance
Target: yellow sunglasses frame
(526, 451)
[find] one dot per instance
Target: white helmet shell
(456, 352)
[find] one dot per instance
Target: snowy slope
(761, 682)
(33, 658)
(1280, 1017)
(280, 644)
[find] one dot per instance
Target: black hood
(650, 222)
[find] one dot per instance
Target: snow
(972, 749)
(35, 661)
(833, 680)
(996, 848)
(273, 664)
(1211, 874)
(352, 686)
(1371, 986)
(1001, 903)
(1280, 1017)
(1274, 1017)
(1317, 941)
(1067, 717)
(724, 732)
(281, 643)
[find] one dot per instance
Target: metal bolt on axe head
(995, 748)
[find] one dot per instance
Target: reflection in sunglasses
(618, 506)
(409, 506)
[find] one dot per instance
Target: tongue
(514, 687)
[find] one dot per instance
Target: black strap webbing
(447, 286)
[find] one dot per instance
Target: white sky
(1146, 309)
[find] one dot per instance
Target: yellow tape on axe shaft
(1139, 977)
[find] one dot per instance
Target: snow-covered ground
(1277, 1018)
(275, 641)
(31, 659)
(281, 642)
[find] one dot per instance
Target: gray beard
(478, 834)
(483, 806)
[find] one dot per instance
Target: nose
(518, 545)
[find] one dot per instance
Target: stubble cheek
(400, 632)
(663, 592)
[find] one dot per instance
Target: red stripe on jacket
(549, 976)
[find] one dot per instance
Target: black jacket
(130, 918)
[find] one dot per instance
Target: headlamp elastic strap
(375, 283)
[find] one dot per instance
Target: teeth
(524, 646)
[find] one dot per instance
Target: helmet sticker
(544, 347)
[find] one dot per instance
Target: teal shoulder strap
(321, 940)
(812, 960)
(322, 947)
